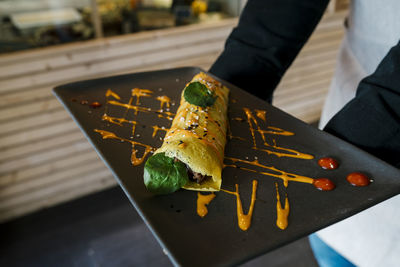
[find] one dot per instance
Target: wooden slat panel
(107, 67)
(291, 83)
(39, 93)
(24, 96)
(16, 111)
(298, 71)
(35, 134)
(47, 168)
(19, 190)
(137, 47)
(32, 160)
(87, 46)
(311, 111)
(58, 193)
(34, 120)
(293, 91)
(13, 152)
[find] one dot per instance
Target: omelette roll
(192, 154)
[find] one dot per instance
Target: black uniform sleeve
(268, 37)
(371, 120)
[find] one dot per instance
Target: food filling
(194, 176)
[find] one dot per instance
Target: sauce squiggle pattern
(252, 117)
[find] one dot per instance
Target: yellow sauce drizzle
(137, 108)
(164, 100)
(278, 131)
(296, 154)
(285, 176)
(137, 92)
(115, 120)
(119, 121)
(292, 153)
(113, 94)
(128, 106)
(156, 129)
(202, 201)
(244, 220)
(134, 159)
(229, 132)
(261, 114)
(281, 213)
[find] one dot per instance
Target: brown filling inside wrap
(194, 176)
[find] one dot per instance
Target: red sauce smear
(358, 179)
(324, 184)
(328, 163)
(95, 105)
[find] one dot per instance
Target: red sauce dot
(328, 163)
(95, 105)
(324, 184)
(358, 179)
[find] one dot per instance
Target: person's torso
(370, 238)
(373, 28)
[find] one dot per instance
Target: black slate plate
(216, 239)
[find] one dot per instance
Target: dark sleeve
(268, 37)
(371, 120)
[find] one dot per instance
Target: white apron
(372, 237)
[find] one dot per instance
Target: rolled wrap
(197, 136)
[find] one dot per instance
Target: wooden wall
(45, 159)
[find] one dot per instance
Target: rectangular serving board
(216, 239)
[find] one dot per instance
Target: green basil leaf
(198, 94)
(162, 175)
